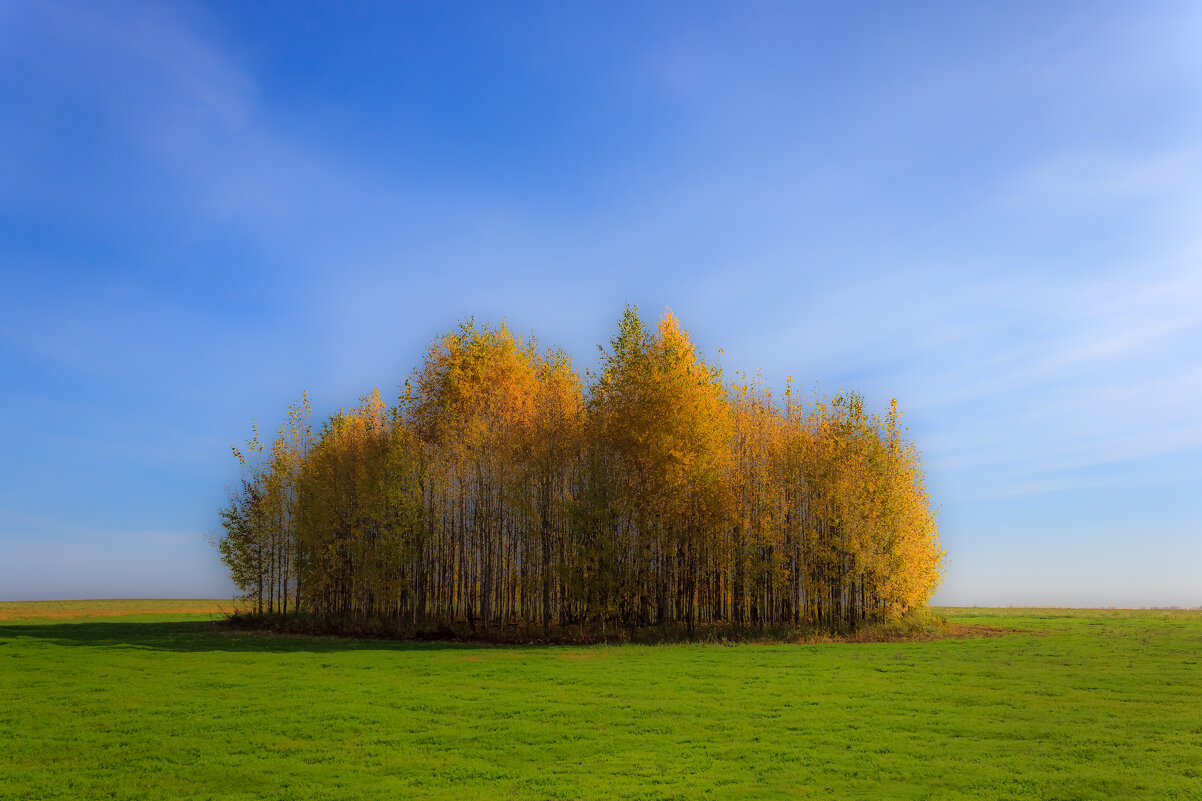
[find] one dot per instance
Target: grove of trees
(503, 489)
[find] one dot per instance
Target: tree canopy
(501, 488)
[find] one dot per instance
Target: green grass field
(163, 704)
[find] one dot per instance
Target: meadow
(128, 700)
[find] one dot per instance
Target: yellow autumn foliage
(501, 489)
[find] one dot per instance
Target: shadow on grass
(217, 635)
(202, 635)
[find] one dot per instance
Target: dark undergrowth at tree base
(924, 625)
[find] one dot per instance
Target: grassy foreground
(1070, 705)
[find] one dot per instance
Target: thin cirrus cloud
(990, 216)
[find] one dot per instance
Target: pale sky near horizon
(989, 213)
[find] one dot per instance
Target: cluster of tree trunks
(502, 489)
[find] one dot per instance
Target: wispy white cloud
(1099, 179)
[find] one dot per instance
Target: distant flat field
(108, 607)
(151, 703)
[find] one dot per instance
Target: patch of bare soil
(976, 630)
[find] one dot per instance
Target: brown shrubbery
(501, 491)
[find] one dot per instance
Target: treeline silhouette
(503, 489)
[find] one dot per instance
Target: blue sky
(989, 213)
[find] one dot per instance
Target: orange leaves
(501, 489)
